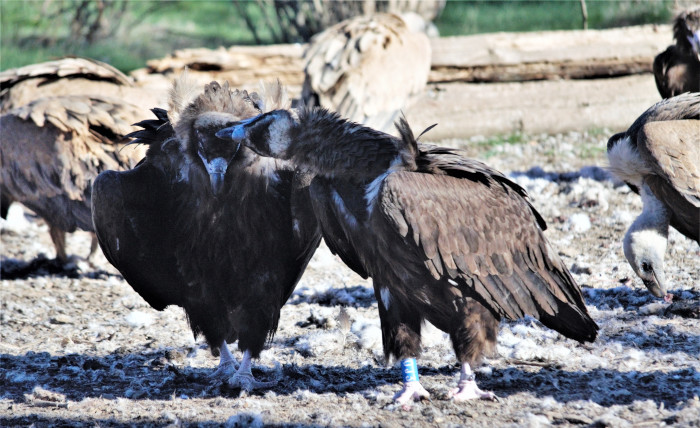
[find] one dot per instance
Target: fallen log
(547, 55)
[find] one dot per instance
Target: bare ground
(87, 350)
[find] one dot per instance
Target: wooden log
(548, 106)
(517, 57)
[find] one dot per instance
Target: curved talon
(412, 391)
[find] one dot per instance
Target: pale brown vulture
(659, 158)
(208, 225)
(367, 69)
(445, 238)
(677, 69)
(52, 149)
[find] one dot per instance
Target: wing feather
(487, 237)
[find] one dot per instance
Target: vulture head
(686, 31)
(196, 121)
(644, 250)
(269, 134)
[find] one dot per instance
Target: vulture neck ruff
(328, 145)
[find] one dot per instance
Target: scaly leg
(227, 364)
(244, 379)
(412, 389)
(467, 389)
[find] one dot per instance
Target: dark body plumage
(677, 69)
(229, 253)
(659, 158)
(444, 238)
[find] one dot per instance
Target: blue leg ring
(409, 370)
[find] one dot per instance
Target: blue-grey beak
(217, 171)
(235, 132)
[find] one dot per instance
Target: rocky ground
(81, 348)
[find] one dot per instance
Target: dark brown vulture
(659, 158)
(445, 238)
(677, 69)
(367, 69)
(208, 225)
(53, 148)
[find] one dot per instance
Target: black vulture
(659, 158)
(54, 147)
(445, 238)
(208, 225)
(367, 68)
(677, 69)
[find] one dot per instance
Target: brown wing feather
(54, 147)
(672, 150)
(485, 237)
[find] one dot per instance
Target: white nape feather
(626, 164)
(373, 188)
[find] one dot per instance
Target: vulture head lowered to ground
(445, 238)
(207, 224)
(677, 69)
(367, 68)
(54, 147)
(659, 158)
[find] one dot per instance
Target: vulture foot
(225, 370)
(467, 390)
(412, 391)
(246, 382)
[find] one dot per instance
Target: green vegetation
(128, 33)
(486, 16)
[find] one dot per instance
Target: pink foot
(412, 391)
(467, 390)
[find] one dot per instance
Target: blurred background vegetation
(128, 33)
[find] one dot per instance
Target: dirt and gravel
(81, 348)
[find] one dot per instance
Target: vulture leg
(412, 389)
(58, 237)
(93, 246)
(467, 389)
(474, 335)
(227, 364)
(244, 379)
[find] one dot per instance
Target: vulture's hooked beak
(216, 168)
(235, 132)
(656, 287)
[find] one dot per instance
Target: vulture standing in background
(367, 69)
(677, 69)
(208, 225)
(659, 158)
(444, 238)
(53, 148)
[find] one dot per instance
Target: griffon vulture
(367, 69)
(445, 238)
(208, 225)
(659, 158)
(677, 69)
(53, 148)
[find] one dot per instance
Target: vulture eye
(646, 267)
